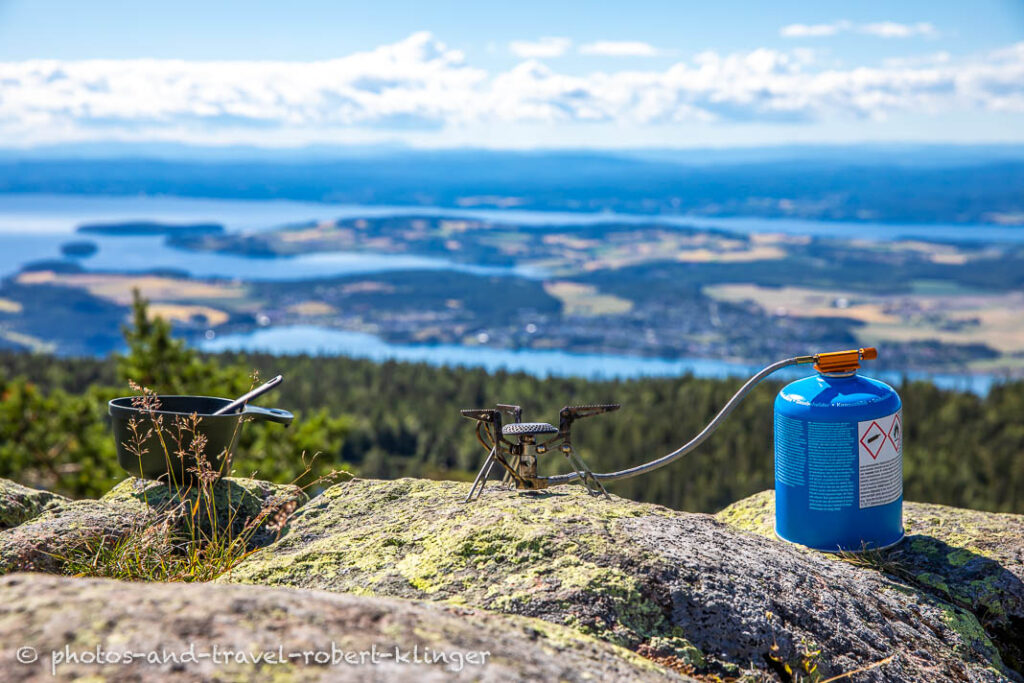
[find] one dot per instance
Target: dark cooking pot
(221, 433)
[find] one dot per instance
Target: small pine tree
(155, 359)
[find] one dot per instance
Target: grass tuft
(191, 540)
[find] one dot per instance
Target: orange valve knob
(843, 361)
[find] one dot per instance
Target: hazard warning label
(880, 454)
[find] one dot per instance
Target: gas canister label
(880, 454)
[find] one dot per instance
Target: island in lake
(651, 290)
(79, 249)
(143, 228)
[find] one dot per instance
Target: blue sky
(524, 74)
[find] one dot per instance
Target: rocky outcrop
(297, 636)
(54, 528)
(18, 503)
(234, 505)
(577, 578)
(969, 558)
(683, 589)
(44, 543)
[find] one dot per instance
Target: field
(635, 289)
(957, 317)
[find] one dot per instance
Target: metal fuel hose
(697, 440)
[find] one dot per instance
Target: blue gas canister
(839, 458)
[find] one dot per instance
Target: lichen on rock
(234, 503)
(42, 543)
(52, 526)
(18, 503)
(970, 558)
(89, 615)
(688, 592)
(681, 588)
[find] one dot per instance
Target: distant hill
(898, 154)
(907, 185)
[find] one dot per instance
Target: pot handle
(271, 414)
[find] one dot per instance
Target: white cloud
(933, 59)
(416, 82)
(890, 29)
(619, 48)
(881, 29)
(420, 88)
(813, 30)
(542, 48)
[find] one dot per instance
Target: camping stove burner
(531, 428)
(518, 453)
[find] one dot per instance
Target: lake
(33, 227)
(321, 341)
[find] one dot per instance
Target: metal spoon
(242, 400)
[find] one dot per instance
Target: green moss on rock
(235, 503)
(395, 549)
(971, 558)
(18, 503)
(49, 613)
(42, 543)
(755, 514)
(52, 527)
(679, 588)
